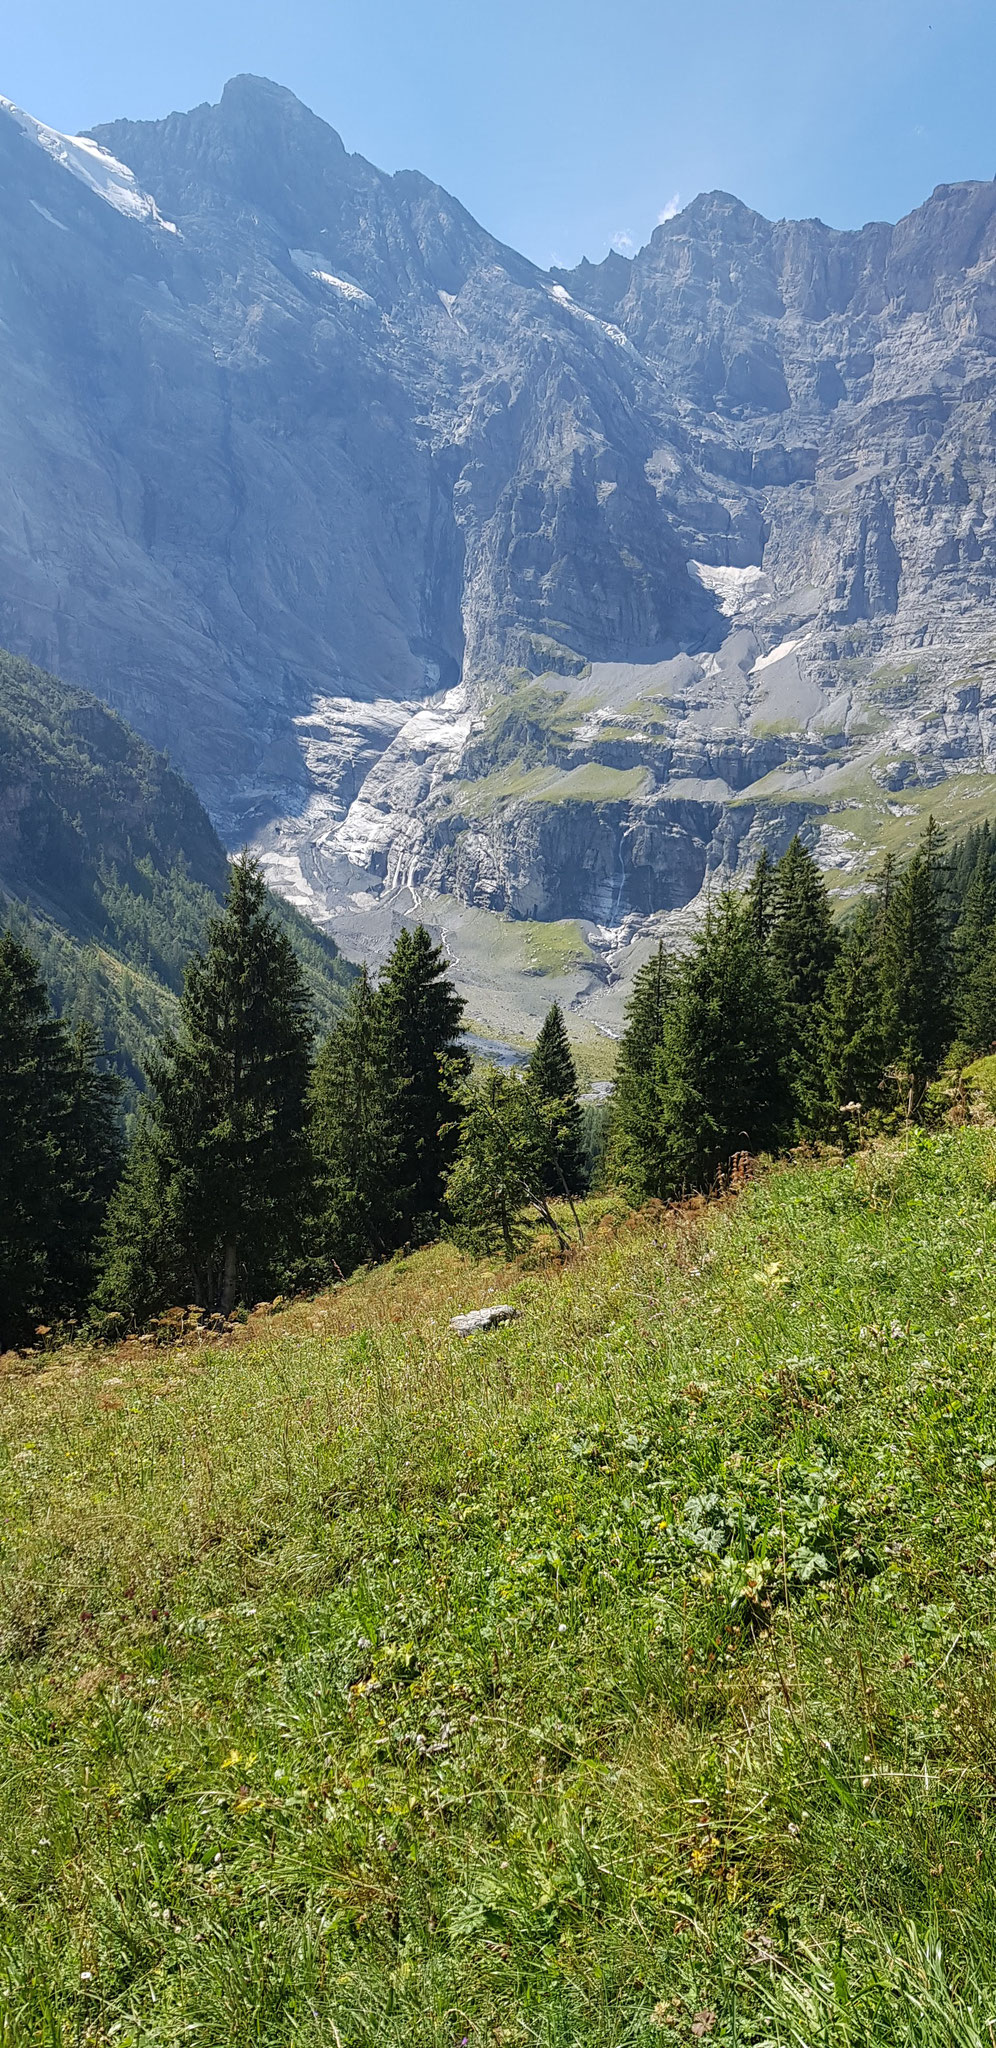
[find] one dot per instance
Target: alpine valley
(536, 601)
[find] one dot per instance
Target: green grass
(555, 948)
(981, 1078)
(623, 1677)
(589, 783)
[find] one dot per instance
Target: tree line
(262, 1164)
(258, 1164)
(781, 1026)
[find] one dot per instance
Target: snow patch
(447, 299)
(311, 265)
(94, 167)
(778, 653)
(732, 587)
(441, 723)
(43, 210)
(562, 297)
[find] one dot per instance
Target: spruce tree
(917, 1010)
(502, 1164)
(722, 1084)
(635, 1146)
(59, 1158)
(802, 947)
(421, 1018)
(552, 1075)
(355, 1137)
(761, 896)
(214, 1199)
(975, 957)
(849, 1027)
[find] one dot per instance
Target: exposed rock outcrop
(306, 473)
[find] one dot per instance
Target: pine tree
(849, 1027)
(355, 1137)
(59, 1157)
(553, 1077)
(213, 1201)
(722, 1085)
(917, 1011)
(635, 1147)
(802, 947)
(421, 1017)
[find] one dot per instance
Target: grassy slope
(622, 1677)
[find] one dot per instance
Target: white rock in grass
(483, 1319)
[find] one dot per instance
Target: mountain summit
(551, 594)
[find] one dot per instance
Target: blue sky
(566, 125)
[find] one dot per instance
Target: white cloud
(623, 240)
(668, 212)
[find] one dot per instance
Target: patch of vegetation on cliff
(530, 726)
(623, 1676)
(588, 783)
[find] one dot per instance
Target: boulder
(483, 1319)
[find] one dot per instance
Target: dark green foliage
(761, 896)
(59, 1156)
(722, 1084)
(110, 869)
(802, 946)
(975, 957)
(553, 1078)
(636, 1150)
(917, 1009)
(355, 1138)
(421, 1016)
(849, 1024)
(212, 1208)
(977, 847)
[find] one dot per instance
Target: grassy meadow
(624, 1676)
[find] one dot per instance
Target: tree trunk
(229, 1279)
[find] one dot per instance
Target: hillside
(110, 865)
(309, 475)
(621, 1677)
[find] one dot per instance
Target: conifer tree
(722, 1085)
(502, 1164)
(849, 1027)
(421, 1018)
(975, 957)
(213, 1201)
(59, 1157)
(802, 947)
(635, 1145)
(916, 966)
(761, 896)
(355, 1136)
(552, 1075)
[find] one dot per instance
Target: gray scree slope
(453, 582)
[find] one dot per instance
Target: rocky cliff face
(448, 580)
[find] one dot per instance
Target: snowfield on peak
(311, 265)
(93, 166)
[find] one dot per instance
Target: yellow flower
(770, 1276)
